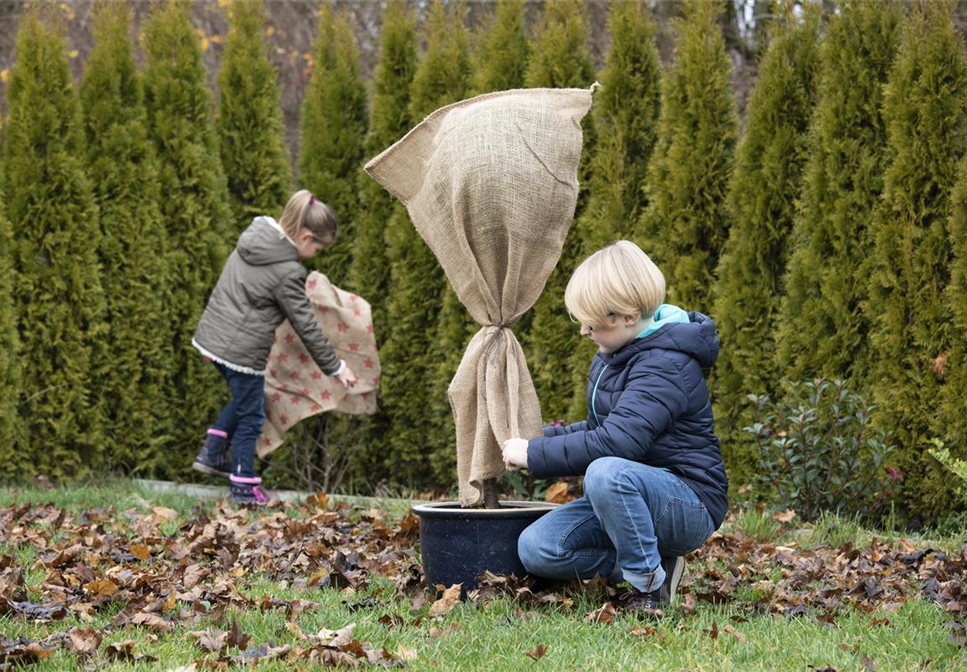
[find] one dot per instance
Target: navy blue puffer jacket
(651, 405)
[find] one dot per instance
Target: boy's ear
(630, 319)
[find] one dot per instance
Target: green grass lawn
(497, 634)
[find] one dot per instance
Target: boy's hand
(347, 378)
(515, 453)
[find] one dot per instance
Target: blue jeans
(630, 517)
(243, 417)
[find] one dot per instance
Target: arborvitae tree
(764, 191)
(251, 133)
(688, 179)
(822, 330)
(389, 121)
(195, 210)
(413, 394)
(500, 60)
(333, 130)
(559, 59)
(925, 110)
(10, 424)
(952, 420)
(58, 300)
(369, 273)
(123, 172)
(625, 116)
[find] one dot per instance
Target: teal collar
(666, 314)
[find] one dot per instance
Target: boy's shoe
(214, 458)
(652, 603)
(248, 490)
(649, 604)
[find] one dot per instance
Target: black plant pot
(458, 544)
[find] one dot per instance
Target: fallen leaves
(189, 584)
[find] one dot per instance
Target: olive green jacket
(262, 284)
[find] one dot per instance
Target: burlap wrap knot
(491, 185)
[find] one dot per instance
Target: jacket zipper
(594, 394)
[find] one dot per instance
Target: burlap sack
(295, 388)
(491, 184)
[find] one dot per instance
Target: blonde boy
(654, 482)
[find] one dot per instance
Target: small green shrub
(820, 452)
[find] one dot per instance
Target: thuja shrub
(819, 451)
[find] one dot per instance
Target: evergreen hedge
(822, 329)
(10, 423)
(559, 59)
(122, 169)
(688, 220)
(195, 211)
(57, 293)
(765, 188)
(500, 59)
(416, 360)
(369, 273)
(332, 131)
(925, 110)
(251, 134)
(952, 421)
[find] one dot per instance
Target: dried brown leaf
(140, 551)
(537, 653)
(210, 639)
(558, 494)
(605, 614)
(735, 633)
(447, 601)
(84, 642)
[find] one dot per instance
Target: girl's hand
(347, 378)
(515, 453)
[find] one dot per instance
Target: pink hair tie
(312, 200)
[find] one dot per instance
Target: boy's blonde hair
(617, 280)
(303, 211)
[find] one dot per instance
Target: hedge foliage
(911, 326)
(124, 174)
(765, 188)
(195, 208)
(58, 297)
(829, 242)
(251, 135)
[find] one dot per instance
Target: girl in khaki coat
(261, 284)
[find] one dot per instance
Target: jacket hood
(264, 243)
(696, 338)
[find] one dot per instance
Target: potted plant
(490, 183)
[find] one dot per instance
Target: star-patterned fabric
(295, 388)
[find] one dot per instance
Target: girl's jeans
(631, 516)
(243, 417)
